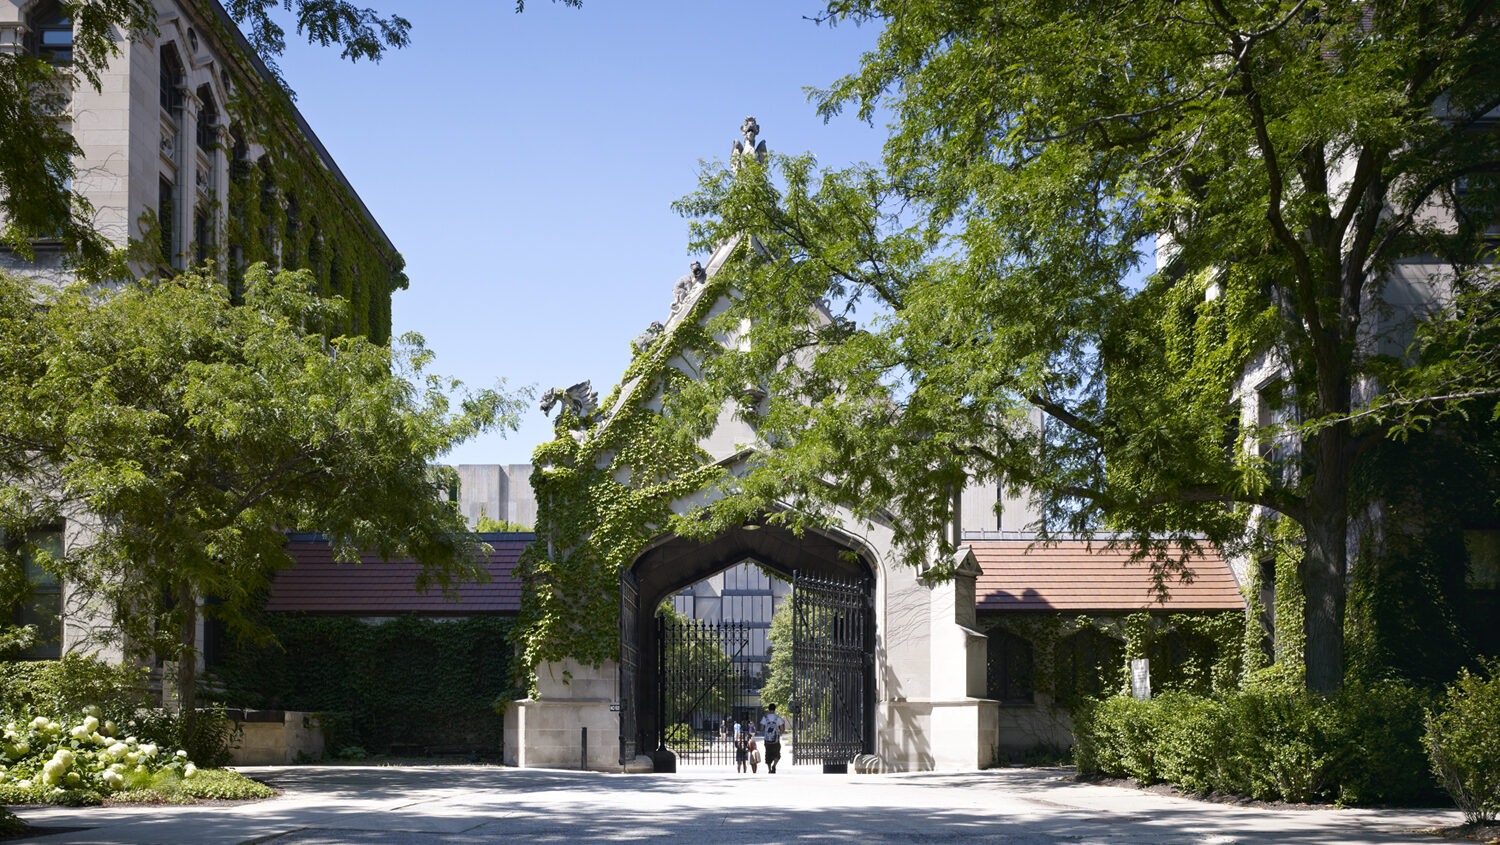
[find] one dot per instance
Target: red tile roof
(317, 584)
(1078, 577)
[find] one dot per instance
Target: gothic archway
(672, 562)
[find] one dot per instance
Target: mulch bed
(1489, 834)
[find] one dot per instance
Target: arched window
(1008, 667)
(1088, 663)
(52, 34)
(1182, 660)
(171, 80)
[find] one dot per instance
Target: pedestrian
(754, 754)
(773, 725)
(742, 745)
(724, 731)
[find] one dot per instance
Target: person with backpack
(773, 725)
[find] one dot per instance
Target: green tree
(487, 524)
(777, 688)
(1291, 154)
(182, 436)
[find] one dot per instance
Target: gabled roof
(317, 584)
(1076, 576)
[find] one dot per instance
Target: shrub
(1463, 742)
(1381, 735)
(1272, 743)
(78, 760)
(679, 734)
(214, 734)
(57, 688)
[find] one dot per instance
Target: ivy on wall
(604, 489)
(287, 208)
(408, 681)
(1199, 652)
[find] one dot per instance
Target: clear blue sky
(525, 165)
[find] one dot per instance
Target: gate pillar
(571, 724)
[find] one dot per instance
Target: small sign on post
(1140, 679)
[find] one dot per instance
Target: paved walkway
(434, 805)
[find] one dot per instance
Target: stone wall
(276, 737)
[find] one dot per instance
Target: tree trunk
(1325, 559)
(187, 660)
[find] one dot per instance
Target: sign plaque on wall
(1140, 678)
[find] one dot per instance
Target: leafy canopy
(182, 437)
(1290, 155)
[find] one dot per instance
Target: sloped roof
(317, 584)
(1075, 576)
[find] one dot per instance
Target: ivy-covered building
(192, 155)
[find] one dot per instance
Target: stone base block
(923, 735)
(276, 737)
(570, 734)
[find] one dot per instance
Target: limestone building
(192, 156)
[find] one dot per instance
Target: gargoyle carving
(581, 399)
(644, 340)
(687, 284)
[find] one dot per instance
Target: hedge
(1360, 746)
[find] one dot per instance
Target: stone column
(964, 723)
(186, 188)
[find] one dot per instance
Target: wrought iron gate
(630, 665)
(830, 658)
(704, 676)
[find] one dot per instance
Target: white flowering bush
(83, 760)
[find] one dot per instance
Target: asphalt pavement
(438, 805)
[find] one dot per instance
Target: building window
(1182, 660)
(1277, 440)
(52, 35)
(268, 208)
(290, 256)
(1009, 667)
(239, 160)
(208, 122)
(166, 218)
(203, 234)
(41, 605)
(171, 80)
(1088, 663)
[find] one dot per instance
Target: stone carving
(645, 339)
(581, 399)
(168, 144)
(749, 129)
(687, 284)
